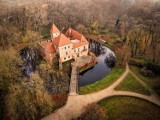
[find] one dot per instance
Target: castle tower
(54, 32)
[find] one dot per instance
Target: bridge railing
(74, 81)
(77, 80)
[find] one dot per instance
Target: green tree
(29, 100)
(10, 67)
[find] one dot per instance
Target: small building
(70, 45)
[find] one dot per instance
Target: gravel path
(76, 103)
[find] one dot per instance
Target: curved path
(76, 103)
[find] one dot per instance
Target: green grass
(131, 84)
(103, 83)
(152, 82)
(128, 108)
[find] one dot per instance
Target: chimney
(70, 32)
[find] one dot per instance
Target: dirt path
(76, 104)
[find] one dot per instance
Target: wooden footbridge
(74, 80)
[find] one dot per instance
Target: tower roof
(61, 40)
(54, 29)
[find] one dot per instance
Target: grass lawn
(131, 84)
(152, 82)
(128, 108)
(103, 83)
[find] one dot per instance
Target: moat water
(29, 57)
(99, 71)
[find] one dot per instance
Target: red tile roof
(81, 43)
(54, 29)
(61, 40)
(48, 46)
(76, 35)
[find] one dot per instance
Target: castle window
(68, 56)
(64, 47)
(84, 48)
(64, 58)
(68, 46)
(66, 53)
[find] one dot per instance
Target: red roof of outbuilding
(54, 29)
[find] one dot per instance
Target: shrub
(93, 112)
(145, 72)
(146, 63)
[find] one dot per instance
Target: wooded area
(135, 23)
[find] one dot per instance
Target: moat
(100, 70)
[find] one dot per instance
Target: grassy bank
(152, 82)
(131, 84)
(127, 108)
(103, 83)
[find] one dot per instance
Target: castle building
(70, 45)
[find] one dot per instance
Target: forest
(132, 25)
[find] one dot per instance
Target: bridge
(74, 80)
(77, 65)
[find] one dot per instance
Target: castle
(70, 45)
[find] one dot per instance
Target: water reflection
(29, 58)
(101, 69)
